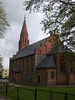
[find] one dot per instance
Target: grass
(60, 89)
(43, 93)
(57, 96)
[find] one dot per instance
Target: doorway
(38, 79)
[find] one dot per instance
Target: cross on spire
(24, 16)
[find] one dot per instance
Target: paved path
(2, 98)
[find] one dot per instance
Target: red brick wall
(61, 77)
(64, 77)
(72, 78)
(49, 80)
(44, 48)
(45, 76)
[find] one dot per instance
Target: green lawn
(43, 93)
(58, 96)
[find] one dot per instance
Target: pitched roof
(48, 62)
(59, 49)
(28, 50)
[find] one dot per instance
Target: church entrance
(38, 79)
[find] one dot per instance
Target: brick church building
(38, 63)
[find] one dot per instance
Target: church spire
(23, 36)
(24, 28)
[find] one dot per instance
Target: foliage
(70, 61)
(1, 60)
(3, 20)
(59, 21)
(59, 17)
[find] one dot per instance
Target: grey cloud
(15, 16)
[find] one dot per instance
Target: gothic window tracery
(62, 64)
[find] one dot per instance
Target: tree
(59, 17)
(3, 20)
(59, 21)
(1, 60)
(1, 66)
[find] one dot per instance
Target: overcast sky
(15, 16)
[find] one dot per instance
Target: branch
(68, 3)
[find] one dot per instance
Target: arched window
(39, 51)
(45, 47)
(62, 64)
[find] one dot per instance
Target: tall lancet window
(62, 64)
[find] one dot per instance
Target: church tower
(23, 37)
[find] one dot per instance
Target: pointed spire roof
(24, 28)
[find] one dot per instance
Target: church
(38, 64)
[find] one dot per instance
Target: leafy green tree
(59, 17)
(1, 66)
(59, 21)
(3, 19)
(1, 60)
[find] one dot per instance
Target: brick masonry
(28, 65)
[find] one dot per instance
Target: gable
(29, 50)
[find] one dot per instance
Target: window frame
(52, 75)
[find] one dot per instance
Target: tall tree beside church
(1, 66)
(3, 20)
(59, 17)
(59, 20)
(3, 25)
(1, 60)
